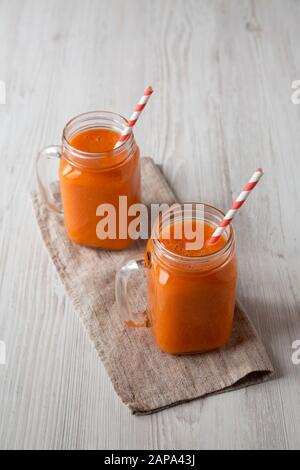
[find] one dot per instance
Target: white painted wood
(222, 74)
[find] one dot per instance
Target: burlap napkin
(146, 379)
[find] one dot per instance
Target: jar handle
(131, 265)
(47, 177)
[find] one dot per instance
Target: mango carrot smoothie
(92, 174)
(191, 292)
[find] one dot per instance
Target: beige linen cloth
(146, 379)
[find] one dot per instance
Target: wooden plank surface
(222, 73)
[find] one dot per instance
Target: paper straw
(134, 117)
(235, 206)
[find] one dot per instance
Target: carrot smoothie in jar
(191, 292)
(94, 175)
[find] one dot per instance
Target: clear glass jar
(191, 300)
(89, 180)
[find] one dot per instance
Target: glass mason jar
(89, 181)
(191, 300)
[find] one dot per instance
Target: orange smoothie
(91, 174)
(191, 293)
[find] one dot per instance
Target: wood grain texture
(222, 74)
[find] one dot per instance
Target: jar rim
(193, 260)
(112, 117)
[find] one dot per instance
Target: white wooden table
(222, 73)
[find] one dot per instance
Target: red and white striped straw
(134, 117)
(235, 206)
